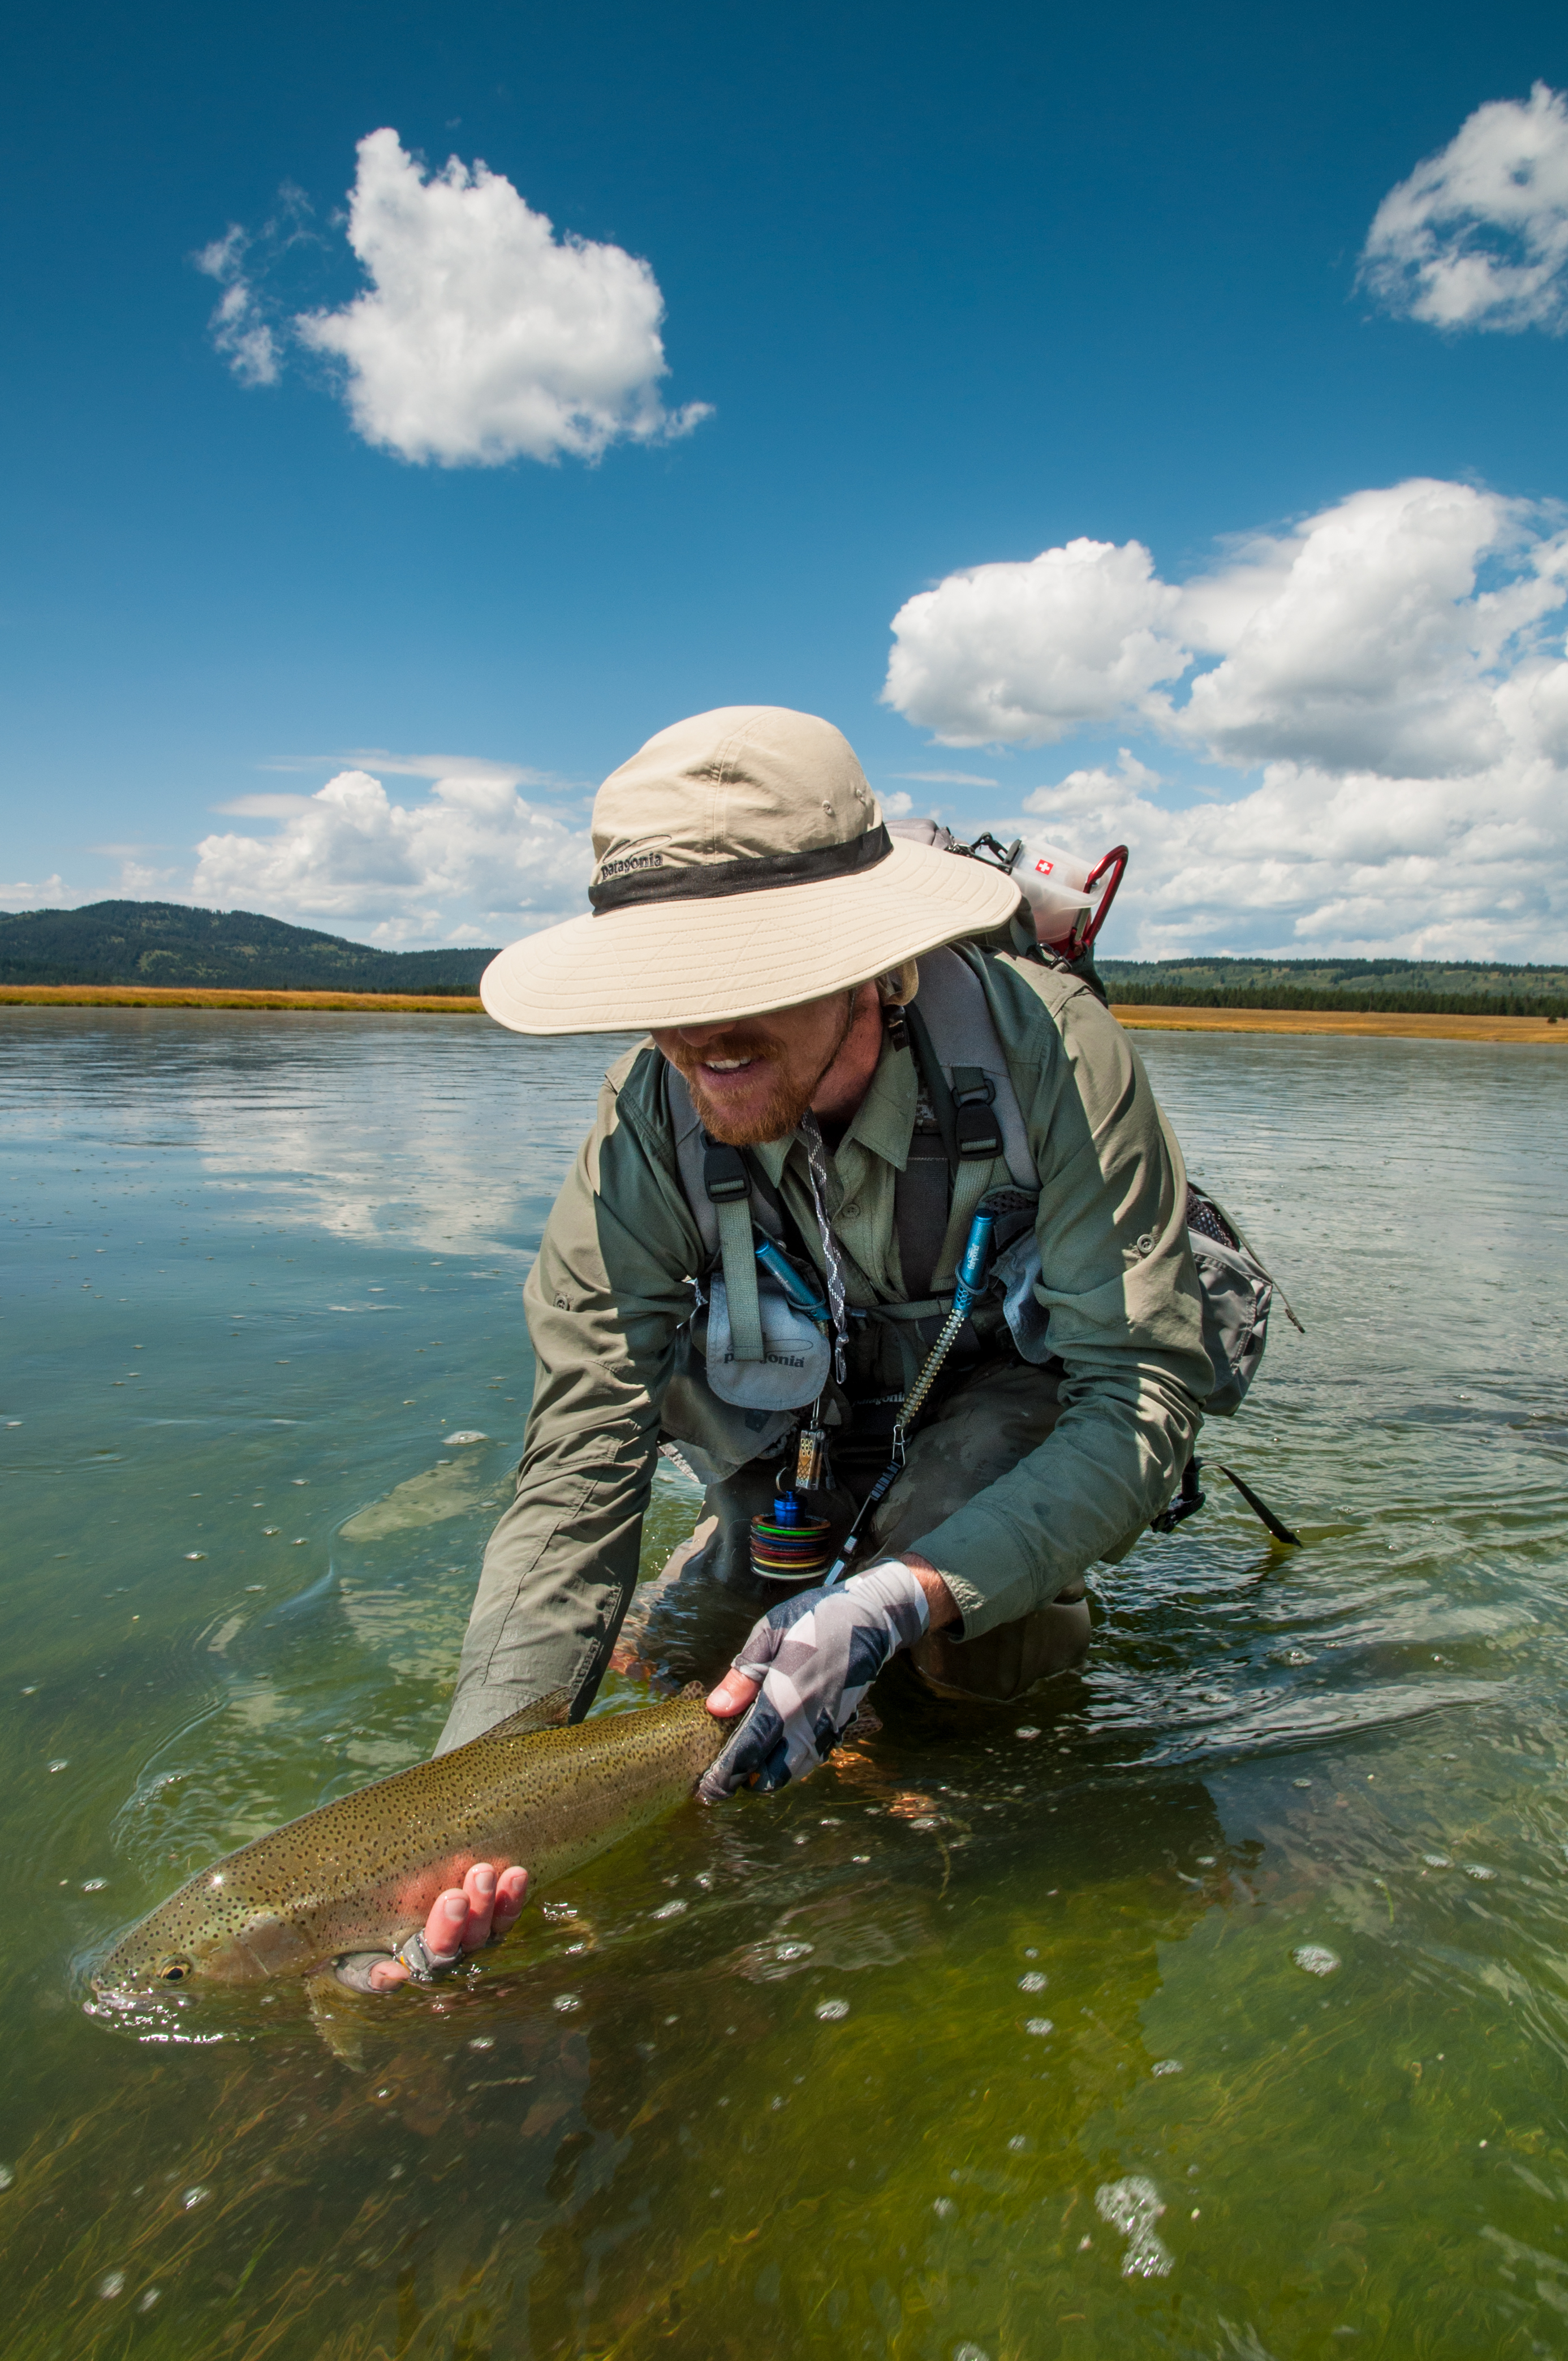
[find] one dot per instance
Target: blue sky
(960, 289)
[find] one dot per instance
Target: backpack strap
(972, 1096)
(717, 1182)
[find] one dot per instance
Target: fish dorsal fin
(545, 1713)
(692, 1689)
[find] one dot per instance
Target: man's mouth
(727, 1065)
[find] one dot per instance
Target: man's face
(754, 1079)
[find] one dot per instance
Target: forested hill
(1431, 987)
(169, 943)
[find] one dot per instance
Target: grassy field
(1395, 1026)
(148, 995)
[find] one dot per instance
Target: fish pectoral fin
(545, 1713)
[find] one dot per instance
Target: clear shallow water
(258, 1268)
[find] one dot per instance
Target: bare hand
(464, 1918)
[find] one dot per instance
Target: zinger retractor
(792, 1546)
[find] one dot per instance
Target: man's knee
(1003, 1665)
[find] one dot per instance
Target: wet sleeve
(604, 1301)
(1125, 1319)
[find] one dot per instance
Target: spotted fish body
(361, 1874)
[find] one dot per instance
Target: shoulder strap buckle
(724, 1174)
(976, 1130)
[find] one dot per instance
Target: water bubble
(272, 1529)
(112, 2284)
(464, 1434)
(194, 1555)
(483, 2041)
(7, 2178)
(566, 2001)
(93, 1885)
(1301, 1783)
(970, 2353)
(1168, 2065)
(1316, 1959)
(1018, 2143)
(943, 2208)
(1132, 2206)
(927, 1822)
(831, 2011)
(197, 2194)
(1033, 1982)
(147, 2298)
(63, 1763)
(1038, 2024)
(1474, 1869)
(1437, 1860)
(792, 1951)
(669, 1910)
(1027, 1731)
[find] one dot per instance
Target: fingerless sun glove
(816, 1657)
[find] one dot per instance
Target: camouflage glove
(816, 1657)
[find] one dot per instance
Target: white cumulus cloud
(1478, 236)
(483, 336)
(474, 863)
(1395, 670)
(1025, 653)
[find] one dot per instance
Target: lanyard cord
(816, 1162)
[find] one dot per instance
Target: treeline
(1368, 1002)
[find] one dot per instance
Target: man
(751, 914)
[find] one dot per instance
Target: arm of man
(1125, 1313)
(604, 1301)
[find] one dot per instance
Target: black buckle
(724, 1174)
(976, 1131)
(1187, 1503)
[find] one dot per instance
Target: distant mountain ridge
(170, 943)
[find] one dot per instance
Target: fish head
(210, 1932)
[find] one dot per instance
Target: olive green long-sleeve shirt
(611, 1291)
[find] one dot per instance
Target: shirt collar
(884, 1121)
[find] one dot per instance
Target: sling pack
(761, 1356)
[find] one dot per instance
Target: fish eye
(174, 1971)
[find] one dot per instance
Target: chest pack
(768, 1348)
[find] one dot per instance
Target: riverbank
(148, 995)
(1399, 1025)
(1387, 1025)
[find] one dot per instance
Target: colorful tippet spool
(790, 1546)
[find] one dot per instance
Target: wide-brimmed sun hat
(742, 864)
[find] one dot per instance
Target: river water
(1214, 2002)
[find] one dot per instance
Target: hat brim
(705, 960)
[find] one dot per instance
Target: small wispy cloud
(945, 778)
(1478, 236)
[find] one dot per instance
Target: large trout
(361, 1874)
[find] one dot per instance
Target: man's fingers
(388, 1974)
(479, 1893)
(448, 1917)
(512, 1892)
(733, 1695)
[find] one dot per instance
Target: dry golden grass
(1351, 1024)
(139, 996)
